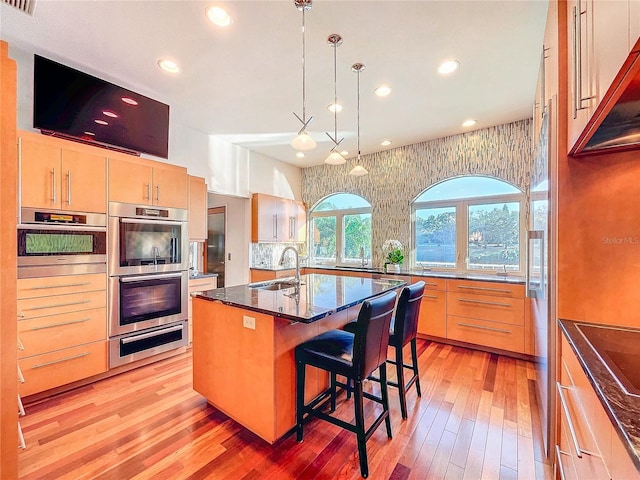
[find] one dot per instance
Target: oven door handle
(142, 278)
(151, 222)
(155, 333)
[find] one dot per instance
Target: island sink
(273, 286)
(618, 349)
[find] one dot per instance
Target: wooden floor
(477, 418)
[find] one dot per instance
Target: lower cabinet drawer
(432, 319)
(54, 305)
(50, 370)
(486, 307)
(489, 334)
(43, 334)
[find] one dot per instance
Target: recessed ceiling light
(218, 16)
(300, 155)
(384, 143)
(469, 123)
(344, 153)
(168, 66)
(109, 113)
(129, 101)
(90, 133)
(101, 122)
(334, 107)
(448, 67)
(382, 91)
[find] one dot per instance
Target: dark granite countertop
(319, 295)
(427, 273)
(622, 409)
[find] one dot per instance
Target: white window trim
(462, 227)
(339, 214)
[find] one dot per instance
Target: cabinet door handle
(20, 375)
(53, 362)
(482, 302)
(482, 327)
(54, 197)
(157, 193)
(430, 284)
(572, 430)
(579, 100)
(485, 289)
(68, 187)
(20, 315)
(82, 302)
(21, 442)
(61, 324)
(20, 345)
(430, 296)
(559, 461)
(275, 226)
(45, 287)
(148, 197)
(20, 407)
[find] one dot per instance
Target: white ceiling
(243, 82)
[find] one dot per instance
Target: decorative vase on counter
(393, 267)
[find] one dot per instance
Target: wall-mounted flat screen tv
(73, 104)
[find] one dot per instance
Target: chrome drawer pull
(68, 187)
(20, 344)
(482, 302)
(430, 296)
(431, 284)
(486, 289)
(54, 199)
(559, 459)
(54, 325)
(20, 407)
(82, 302)
(20, 376)
(53, 362)
(572, 430)
(21, 442)
(45, 287)
(155, 333)
(482, 327)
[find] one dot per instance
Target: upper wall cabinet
(197, 209)
(58, 174)
(599, 42)
(275, 219)
(146, 182)
(634, 21)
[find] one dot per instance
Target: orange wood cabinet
(249, 374)
(63, 326)
(197, 285)
(275, 219)
(146, 182)
(258, 275)
(602, 453)
(432, 319)
(59, 174)
(197, 209)
(488, 314)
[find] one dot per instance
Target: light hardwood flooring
(477, 419)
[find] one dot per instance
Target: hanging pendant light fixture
(303, 140)
(358, 170)
(334, 157)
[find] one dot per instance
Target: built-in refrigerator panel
(216, 227)
(540, 289)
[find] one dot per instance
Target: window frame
(339, 214)
(462, 228)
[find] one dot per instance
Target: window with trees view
(471, 223)
(340, 230)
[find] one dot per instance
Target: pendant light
(358, 170)
(303, 140)
(334, 157)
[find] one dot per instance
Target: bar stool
(354, 356)
(404, 328)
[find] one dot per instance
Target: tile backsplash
(267, 255)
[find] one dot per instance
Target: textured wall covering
(398, 175)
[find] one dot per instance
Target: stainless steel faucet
(281, 262)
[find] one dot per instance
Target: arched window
(340, 230)
(469, 224)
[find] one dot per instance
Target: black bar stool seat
(404, 328)
(353, 356)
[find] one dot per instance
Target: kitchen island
(244, 339)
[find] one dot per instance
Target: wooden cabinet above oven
(145, 182)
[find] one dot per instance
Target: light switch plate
(248, 322)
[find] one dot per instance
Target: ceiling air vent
(26, 6)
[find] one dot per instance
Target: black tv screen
(73, 104)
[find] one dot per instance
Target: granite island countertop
(319, 295)
(622, 409)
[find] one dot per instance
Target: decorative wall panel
(399, 175)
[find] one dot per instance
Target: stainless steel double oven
(148, 277)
